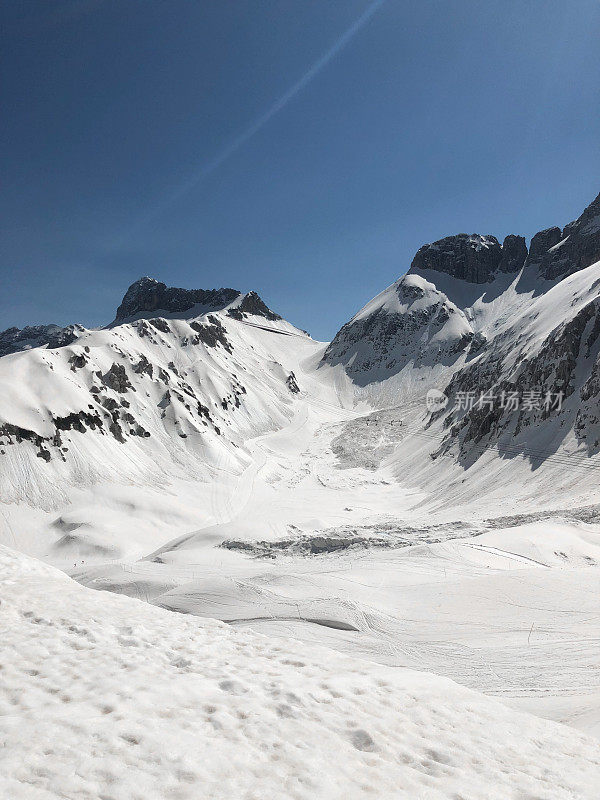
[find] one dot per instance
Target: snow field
(108, 698)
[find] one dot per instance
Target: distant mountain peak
(471, 257)
(427, 320)
(554, 253)
(13, 339)
(147, 296)
(557, 253)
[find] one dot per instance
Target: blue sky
(301, 148)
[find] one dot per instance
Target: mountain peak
(553, 252)
(147, 295)
(557, 253)
(472, 258)
(251, 303)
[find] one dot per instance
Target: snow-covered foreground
(108, 698)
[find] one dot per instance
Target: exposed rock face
(76, 421)
(78, 361)
(252, 304)
(417, 323)
(514, 253)
(143, 367)
(551, 369)
(472, 258)
(13, 340)
(557, 253)
(553, 252)
(117, 379)
(542, 242)
(292, 383)
(147, 295)
(212, 334)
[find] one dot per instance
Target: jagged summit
(472, 258)
(148, 295)
(553, 252)
(557, 253)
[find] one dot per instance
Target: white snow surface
(318, 515)
(108, 698)
(512, 611)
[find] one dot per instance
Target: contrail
(210, 166)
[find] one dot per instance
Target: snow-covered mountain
(473, 317)
(204, 455)
(181, 379)
(180, 370)
(458, 296)
(172, 388)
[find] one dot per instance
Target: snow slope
(108, 697)
(138, 419)
(321, 542)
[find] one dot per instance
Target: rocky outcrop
(471, 258)
(212, 334)
(143, 367)
(76, 421)
(557, 254)
(542, 242)
(148, 295)
(514, 254)
(117, 379)
(292, 383)
(252, 304)
(78, 361)
(13, 340)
